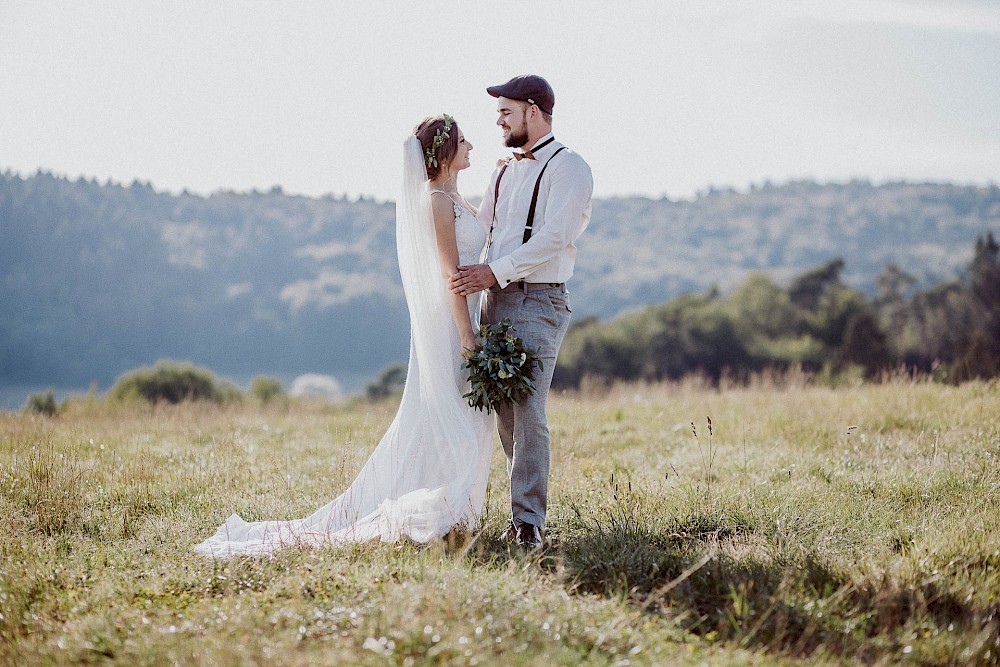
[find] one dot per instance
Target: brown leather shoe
(529, 536)
(509, 533)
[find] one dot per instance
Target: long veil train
(429, 471)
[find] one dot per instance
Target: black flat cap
(528, 88)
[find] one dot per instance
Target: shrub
(265, 388)
(42, 403)
(173, 382)
(389, 382)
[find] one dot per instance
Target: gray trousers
(540, 318)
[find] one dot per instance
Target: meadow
(780, 523)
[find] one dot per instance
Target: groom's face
(513, 120)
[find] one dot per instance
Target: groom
(537, 205)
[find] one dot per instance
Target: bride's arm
(447, 247)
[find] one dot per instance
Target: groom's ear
(534, 111)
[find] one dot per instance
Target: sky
(662, 98)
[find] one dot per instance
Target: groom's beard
(517, 138)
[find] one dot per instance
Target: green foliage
(980, 355)
(266, 389)
(951, 329)
(675, 246)
(930, 328)
(172, 382)
(238, 281)
(807, 290)
(42, 403)
(864, 344)
(761, 309)
(685, 335)
(269, 279)
(818, 324)
(390, 382)
(501, 369)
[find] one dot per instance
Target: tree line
(99, 278)
(816, 323)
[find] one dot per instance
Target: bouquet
(502, 370)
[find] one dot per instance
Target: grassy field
(802, 525)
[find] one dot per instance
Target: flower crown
(441, 136)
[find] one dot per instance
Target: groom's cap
(528, 88)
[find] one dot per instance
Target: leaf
(502, 370)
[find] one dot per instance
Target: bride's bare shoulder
(442, 206)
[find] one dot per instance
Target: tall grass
(799, 525)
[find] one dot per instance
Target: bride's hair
(425, 131)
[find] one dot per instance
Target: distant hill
(642, 251)
(98, 279)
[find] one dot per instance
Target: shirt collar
(545, 148)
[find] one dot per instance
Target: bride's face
(461, 157)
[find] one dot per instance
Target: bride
(429, 472)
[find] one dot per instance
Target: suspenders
(529, 224)
(534, 198)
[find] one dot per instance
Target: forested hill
(98, 279)
(643, 251)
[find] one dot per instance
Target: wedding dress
(429, 472)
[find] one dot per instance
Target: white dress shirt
(561, 215)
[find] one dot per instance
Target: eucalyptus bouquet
(502, 370)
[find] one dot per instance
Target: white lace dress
(429, 472)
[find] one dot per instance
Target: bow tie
(527, 155)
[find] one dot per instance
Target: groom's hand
(473, 278)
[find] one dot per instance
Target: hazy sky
(660, 97)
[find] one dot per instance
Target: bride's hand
(468, 346)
